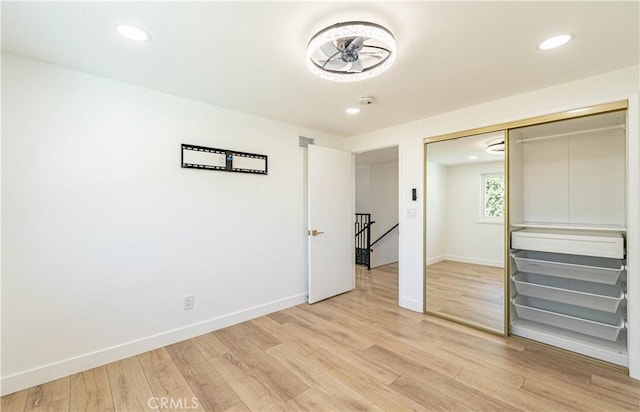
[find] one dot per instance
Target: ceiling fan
(351, 54)
(351, 51)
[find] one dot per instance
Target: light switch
(411, 213)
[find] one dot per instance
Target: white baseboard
(410, 304)
(476, 261)
(436, 259)
(66, 367)
(383, 264)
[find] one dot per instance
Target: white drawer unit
(574, 242)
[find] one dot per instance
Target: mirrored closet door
(465, 216)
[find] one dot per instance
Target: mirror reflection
(465, 230)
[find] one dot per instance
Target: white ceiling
(250, 56)
(386, 155)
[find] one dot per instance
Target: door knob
(314, 232)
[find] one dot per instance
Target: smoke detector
(366, 100)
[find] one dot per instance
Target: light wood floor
(466, 291)
(358, 351)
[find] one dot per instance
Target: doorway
(377, 182)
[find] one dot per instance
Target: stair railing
(385, 234)
(363, 239)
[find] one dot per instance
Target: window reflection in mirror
(465, 230)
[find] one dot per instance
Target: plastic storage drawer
(606, 326)
(596, 296)
(587, 268)
(601, 244)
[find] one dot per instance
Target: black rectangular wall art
(202, 157)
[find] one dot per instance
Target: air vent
(305, 141)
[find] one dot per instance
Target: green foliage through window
(493, 196)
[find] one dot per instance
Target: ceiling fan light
(341, 31)
(496, 147)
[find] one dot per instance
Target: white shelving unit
(568, 285)
(573, 301)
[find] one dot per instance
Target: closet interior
(567, 233)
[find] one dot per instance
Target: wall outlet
(189, 301)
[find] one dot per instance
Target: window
(492, 197)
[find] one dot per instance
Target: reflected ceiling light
(351, 51)
(353, 110)
(579, 110)
(496, 147)
(554, 42)
(473, 157)
(132, 32)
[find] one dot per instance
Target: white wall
(377, 193)
(436, 247)
(454, 230)
(104, 233)
(576, 179)
(383, 189)
(362, 189)
(468, 239)
(607, 87)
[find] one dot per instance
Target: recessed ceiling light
(554, 42)
(132, 32)
(353, 110)
(473, 157)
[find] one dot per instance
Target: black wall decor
(202, 157)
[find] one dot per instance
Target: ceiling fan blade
(376, 47)
(356, 44)
(369, 61)
(335, 64)
(329, 49)
(371, 54)
(356, 67)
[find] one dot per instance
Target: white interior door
(331, 222)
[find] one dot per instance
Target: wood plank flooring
(357, 351)
(466, 291)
